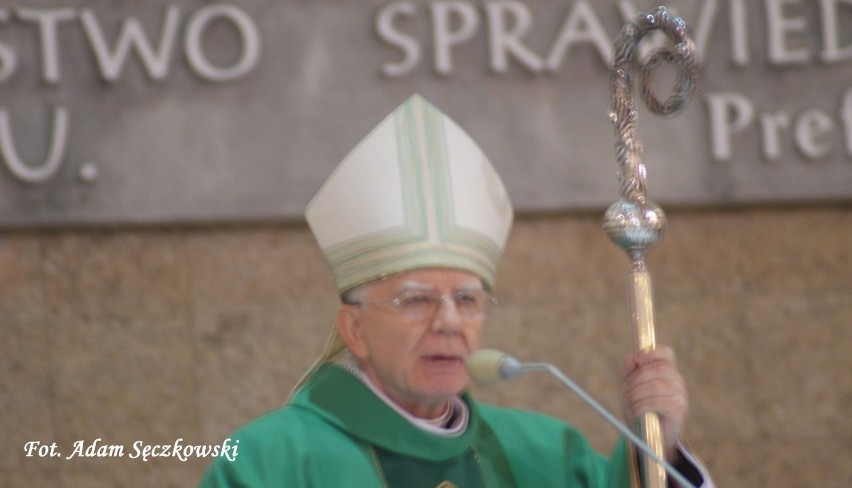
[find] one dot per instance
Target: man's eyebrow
(472, 286)
(418, 286)
(415, 286)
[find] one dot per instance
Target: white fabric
(417, 192)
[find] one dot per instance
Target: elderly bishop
(413, 223)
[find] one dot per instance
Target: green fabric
(337, 433)
(400, 470)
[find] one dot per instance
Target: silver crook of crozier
(635, 223)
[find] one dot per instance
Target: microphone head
(485, 366)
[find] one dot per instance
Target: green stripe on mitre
(422, 159)
(479, 258)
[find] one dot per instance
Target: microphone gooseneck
(488, 366)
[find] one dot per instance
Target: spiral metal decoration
(623, 107)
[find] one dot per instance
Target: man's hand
(653, 384)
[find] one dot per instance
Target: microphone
(488, 366)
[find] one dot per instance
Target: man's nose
(447, 319)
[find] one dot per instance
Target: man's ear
(349, 327)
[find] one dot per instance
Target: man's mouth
(445, 359)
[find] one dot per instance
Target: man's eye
(416, 300)
(464, 299)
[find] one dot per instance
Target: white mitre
(416, 193)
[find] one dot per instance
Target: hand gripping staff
(635, 223)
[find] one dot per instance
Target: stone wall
(155, 335)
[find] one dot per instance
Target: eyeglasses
(419, 306)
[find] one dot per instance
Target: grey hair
(354, 296)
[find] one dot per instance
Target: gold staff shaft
(642, 325)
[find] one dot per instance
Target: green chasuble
(336, 433)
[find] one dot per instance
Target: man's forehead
(433, 278)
